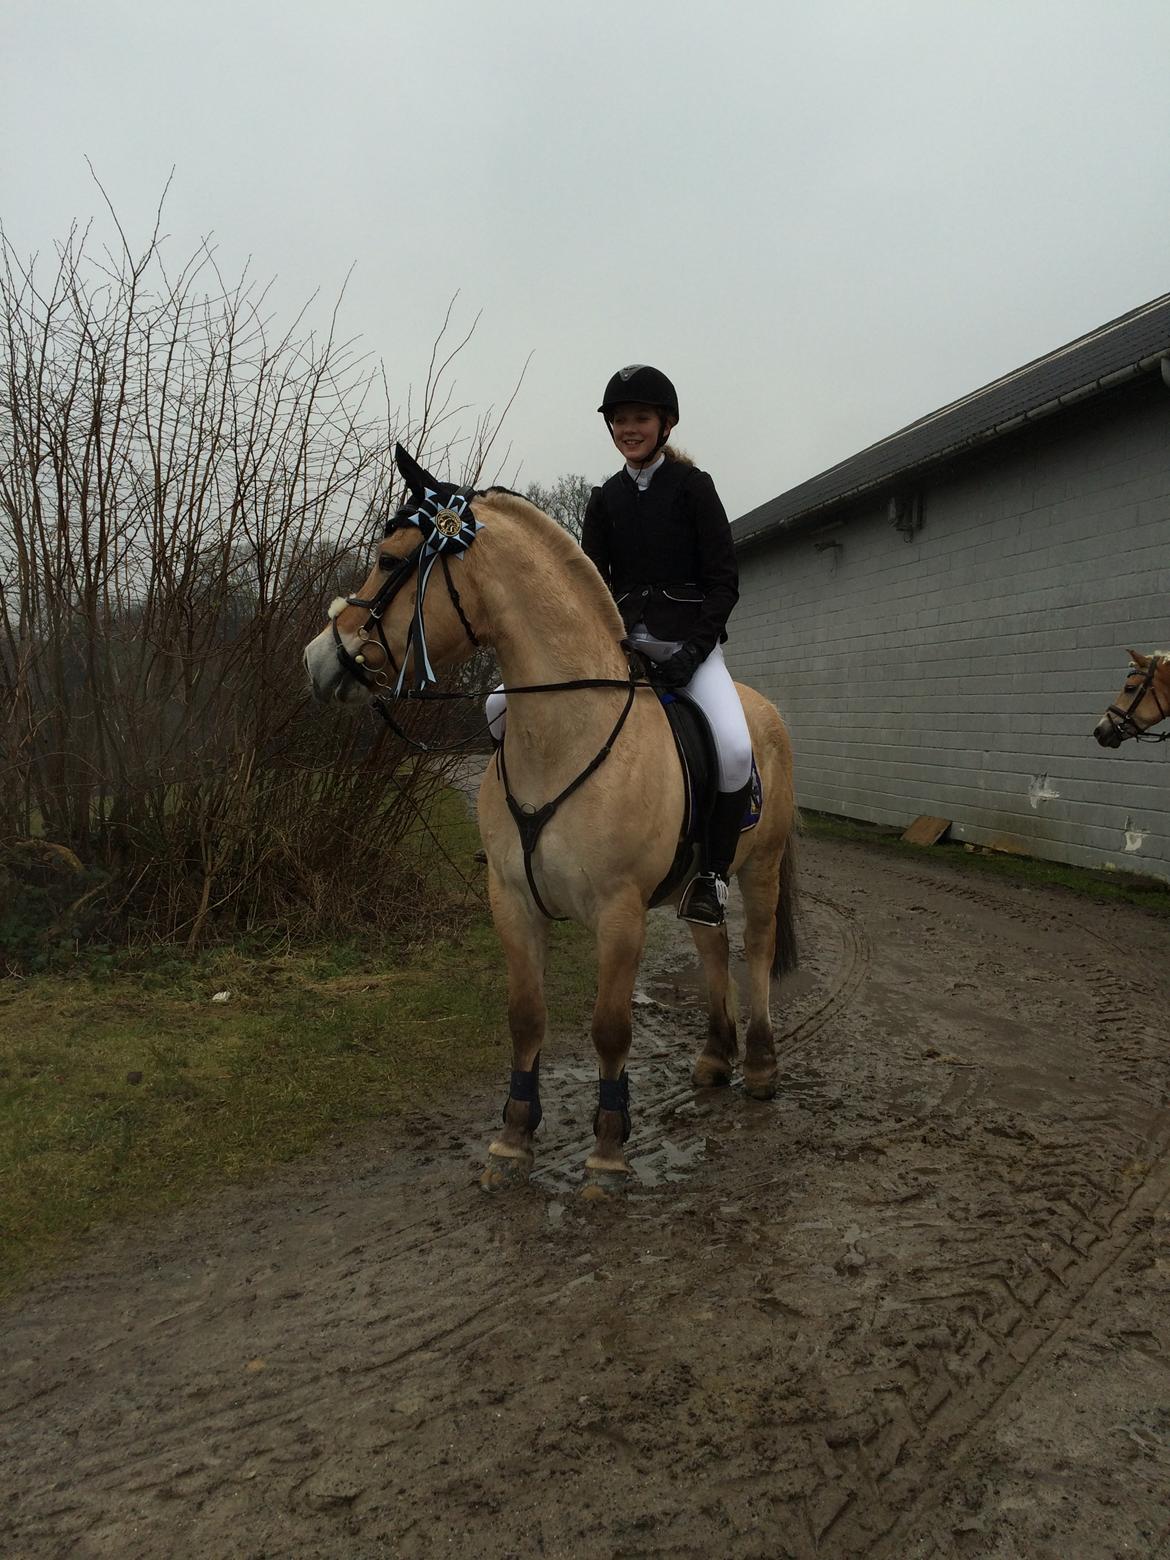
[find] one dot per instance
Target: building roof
(1108, 356)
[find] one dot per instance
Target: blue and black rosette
(444, 516)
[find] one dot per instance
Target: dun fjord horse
(581, 810)
(1144, 700)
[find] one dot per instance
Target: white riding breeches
(712, 690)
(717, 696)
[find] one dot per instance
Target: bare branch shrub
(183, 486)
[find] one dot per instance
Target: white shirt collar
(642, 474)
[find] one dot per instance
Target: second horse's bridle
(1122, 720)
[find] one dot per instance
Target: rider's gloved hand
(680, 668)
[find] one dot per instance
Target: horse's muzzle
(326, 678)
(1107, 734)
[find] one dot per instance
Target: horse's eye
(386, 562)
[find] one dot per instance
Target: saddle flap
(696, 751)
(697, 754)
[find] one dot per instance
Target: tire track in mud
(276, 1410)
(890, 1478)
(1004, 903)
(886, 1472)
(183, 1439)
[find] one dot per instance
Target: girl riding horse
(658, 536)
(660, 540)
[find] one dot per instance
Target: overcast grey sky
(821, 219)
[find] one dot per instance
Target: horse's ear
(417, 480)
(1138, 658)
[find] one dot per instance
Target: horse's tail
(787, 950)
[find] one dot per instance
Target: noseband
(448, 527)
(1122, 720)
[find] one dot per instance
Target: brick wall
(960, 674)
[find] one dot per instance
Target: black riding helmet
(640, 385)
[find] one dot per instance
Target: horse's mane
(565, 550)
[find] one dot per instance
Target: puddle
(684, 989)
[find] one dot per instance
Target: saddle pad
(755, 803)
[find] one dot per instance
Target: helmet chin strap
(663, 436)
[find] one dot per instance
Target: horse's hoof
(502, 1171)
(760, 1088)
(711, 1074)
(604, 1185)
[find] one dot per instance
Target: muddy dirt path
(918, 1306)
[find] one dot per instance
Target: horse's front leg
(523, 931)
(621, 932)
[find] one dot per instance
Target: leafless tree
(184, 484)
(565, 500)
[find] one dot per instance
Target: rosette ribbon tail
(416, 638)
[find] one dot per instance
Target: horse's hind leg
(759, 882)
(523, 931)
(621, 932)
(715, 1064)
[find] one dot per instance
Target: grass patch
(1106, 887)
(125, 1090)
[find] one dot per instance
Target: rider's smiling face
(636, 430)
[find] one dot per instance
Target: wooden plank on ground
(926, 831)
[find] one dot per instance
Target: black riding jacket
(666, 554)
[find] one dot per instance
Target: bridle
(1122, 720)
(448, 527)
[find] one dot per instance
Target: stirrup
(704, 899)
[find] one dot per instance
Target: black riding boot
(706, 894)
